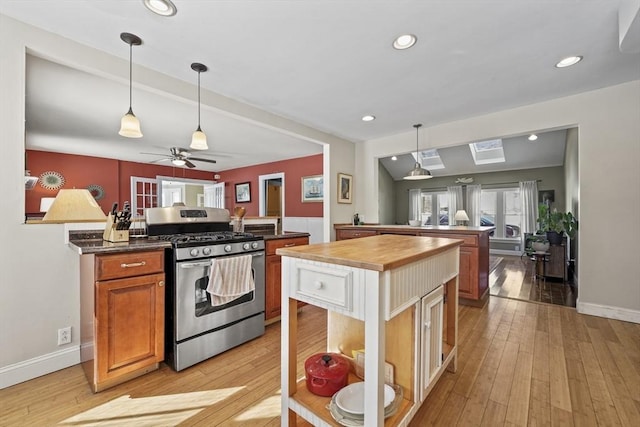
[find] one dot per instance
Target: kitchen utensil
(239, 211)
(350, 399)
(326, 373)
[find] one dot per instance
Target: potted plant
(556, 224)
(539, 243)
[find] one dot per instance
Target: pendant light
(199, 139)
(417, 172)
(130, 125)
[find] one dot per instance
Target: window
(144, 194)
(434, 202)
(502, 208)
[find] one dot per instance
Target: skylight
(430, 159)
(486, 152)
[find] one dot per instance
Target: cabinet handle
(288, 245)
(318, 284)
(133, 264)
(427, 325)
(161, 283)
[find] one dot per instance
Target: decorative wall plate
(51, 180)
(96, 191)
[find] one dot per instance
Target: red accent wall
(114, 176)
(293, 169)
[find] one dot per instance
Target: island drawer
(113, 266)
(326, 287)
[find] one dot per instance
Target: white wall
(608, 122)
(39, 284)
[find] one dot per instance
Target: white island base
(385, 294)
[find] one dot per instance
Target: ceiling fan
(180, 157)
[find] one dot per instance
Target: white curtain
(529, 197)
(473, 204)
(455, 201)
(414, 203)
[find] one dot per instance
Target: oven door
(194, 313)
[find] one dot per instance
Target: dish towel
(230, 279)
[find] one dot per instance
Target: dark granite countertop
(285, 235)
(92, 243)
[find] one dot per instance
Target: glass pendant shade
(130, 126)
(178, 162)
(417, 172)
(199, 140)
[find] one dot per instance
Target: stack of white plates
(347, 405)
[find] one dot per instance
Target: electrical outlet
(64, 335)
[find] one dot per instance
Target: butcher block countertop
(379, 253)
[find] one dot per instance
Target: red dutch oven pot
(326, 373)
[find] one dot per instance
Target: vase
(540, 246)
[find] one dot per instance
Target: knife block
(113, 235)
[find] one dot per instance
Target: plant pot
(540, 246)
(554, 238)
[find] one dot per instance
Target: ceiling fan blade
(160, 160)
(189, 164)
(203, 160)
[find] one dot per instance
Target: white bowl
(414, 222)
(350, 399)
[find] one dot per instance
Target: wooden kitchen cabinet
(122, 316)
(273, 274)
(556, 263)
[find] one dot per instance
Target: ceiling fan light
(130, 126)
(178, 162)
(199, 140)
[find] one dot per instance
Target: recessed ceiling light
(161, 7)
(404, 41)
(394, 158)
(368, 118)
(568, 61)
(533, 137)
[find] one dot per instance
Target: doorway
(271, 196)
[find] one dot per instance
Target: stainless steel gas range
(197, 325)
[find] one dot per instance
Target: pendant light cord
(417, 155)
(198, 100)
(130, 76)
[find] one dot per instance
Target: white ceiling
(321, 63)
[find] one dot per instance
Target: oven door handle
(195, 264)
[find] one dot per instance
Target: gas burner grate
(203, 237)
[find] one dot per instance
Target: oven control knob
(245, 246)
(254, 245)
(206, 251)
(227, 248)
(193, 252)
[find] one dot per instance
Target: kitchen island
(473, 286)
(386, 293)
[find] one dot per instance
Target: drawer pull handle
(133, 264)
(318, 284)
(161, 283)
(288, 245)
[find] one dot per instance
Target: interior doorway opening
(271, 196)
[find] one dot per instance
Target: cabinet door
(129, 324)
(556, 265)
(431, 338)
(273, 291)
(468, 276)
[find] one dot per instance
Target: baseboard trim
(609, 312)
(38, 366)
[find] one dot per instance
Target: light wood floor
(520, 363)
(514, 278)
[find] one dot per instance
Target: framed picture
(243, 192)
(312, 188)
(546, 196)
(345, 188)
